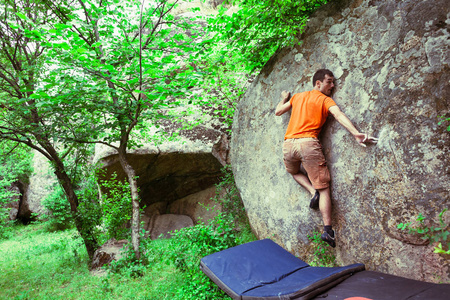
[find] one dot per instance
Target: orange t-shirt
(309, 113)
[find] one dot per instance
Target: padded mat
(379, 286)
(264, 270)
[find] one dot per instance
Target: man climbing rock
(301, 145)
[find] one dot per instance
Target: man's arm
(361, 138)
(284, 105)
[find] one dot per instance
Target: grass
(35, 264)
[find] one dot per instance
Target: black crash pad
(379, 286)
(264, 270)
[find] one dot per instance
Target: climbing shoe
(314, 204)
(329, 238)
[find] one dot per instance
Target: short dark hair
(320, 75)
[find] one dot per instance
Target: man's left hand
(363, 139)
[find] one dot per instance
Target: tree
(26, 115)
(119, 72)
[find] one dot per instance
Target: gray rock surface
(391, 61)
(199, 206)
(109, 251)
(163, 225)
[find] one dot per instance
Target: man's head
(323, 81)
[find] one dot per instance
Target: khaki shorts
(308, 153)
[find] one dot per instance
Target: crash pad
(264, 270)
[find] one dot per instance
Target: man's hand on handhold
(284, 105)
(286, 96)
(363, 139)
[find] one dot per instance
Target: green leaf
(20, 15)
(62, 26)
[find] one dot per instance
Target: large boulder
(171, 170)
(391, 61)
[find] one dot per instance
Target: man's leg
(293, 160)
(325, 210)
(303, 180)
(325, 206)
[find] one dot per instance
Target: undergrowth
(323, 255)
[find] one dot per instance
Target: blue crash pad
(264, 270)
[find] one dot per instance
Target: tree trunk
(132, 180)
(84, 230)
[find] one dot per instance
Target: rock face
(189, 206)
(391, 61)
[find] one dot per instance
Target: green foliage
(228, 229)
(258, 28)
(445, 119)
(31, 109)
(116, 207)
(240, 43)
(323, 256)
(223, 87)
(125, 72)
(189, 245)
(183, 251)
(57, 213)
(433, 233)
(55, 265)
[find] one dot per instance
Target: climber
(301, 145)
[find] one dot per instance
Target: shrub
(89, 209)
(129, 265)
(57, 214)
(189, 245)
